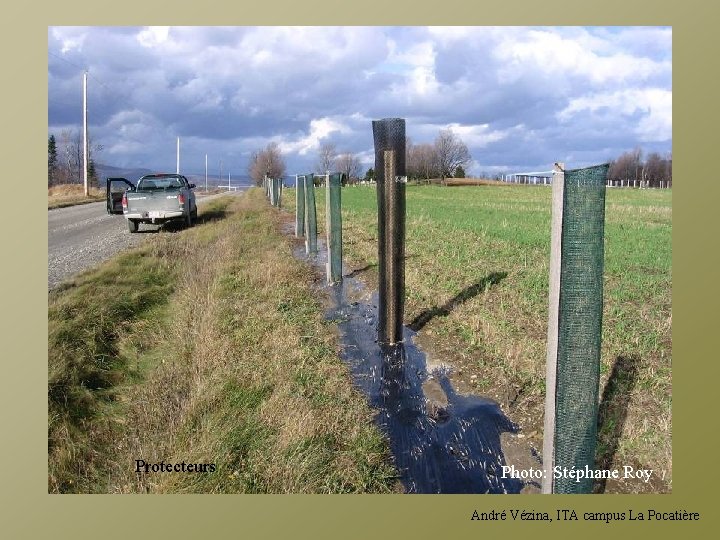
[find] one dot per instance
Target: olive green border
(29, 512)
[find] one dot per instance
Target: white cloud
(320, 128)
(415, 74)
(478, 136)
(654, 104)
(552, 54)
(153, 36)
(70, 38)
(509, 93)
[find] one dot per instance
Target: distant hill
(132, 174)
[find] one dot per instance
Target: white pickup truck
(157, 198)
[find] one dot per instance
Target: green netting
(334, 226)
(310, 215)
(580, 323)
(300, 206)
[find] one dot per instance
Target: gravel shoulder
(82, 236)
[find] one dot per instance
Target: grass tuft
(192, 348)
(476, 273)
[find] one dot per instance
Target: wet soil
(444, 438)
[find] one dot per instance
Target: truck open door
(116, 188)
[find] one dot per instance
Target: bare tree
(69, 166)
(348, 164)
(421, 161)
(629, 166)
(624, 167)
(268, 161)
(638, 165)
(658, 169)
(450, 152)
(70, 156)
(427, 161)
(412, 166)
(655, 168)
(326, 158)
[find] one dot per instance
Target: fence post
(574, 325)
(389, 140)
(333, 222)
(558, 184)
(299, 206)
(310, 216)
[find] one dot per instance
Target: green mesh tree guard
(310, 215)
(579, 325)
(300, 206)
(389, 139)
(333, 226)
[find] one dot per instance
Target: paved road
(80, 237)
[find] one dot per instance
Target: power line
(114, 93)
(111, 94)
(65, 60)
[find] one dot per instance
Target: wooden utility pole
(85, 136)
(177, 161)
(206, 173)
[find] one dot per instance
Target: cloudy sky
(520, 98)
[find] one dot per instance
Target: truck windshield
(159, 183)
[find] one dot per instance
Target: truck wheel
(133, 225)
(188, 220)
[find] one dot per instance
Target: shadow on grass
(463, 296)
(370, 266)
(178, 225)
(613, 413)
(361, 270)
(210, 215)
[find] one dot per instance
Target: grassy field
(72, 194)
(205, 346)
(477, 286)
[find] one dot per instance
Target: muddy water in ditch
(442, 441)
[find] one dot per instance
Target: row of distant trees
(632, 166)
(329, 159)
(270, 161)
(446, 157)
(65, 158)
